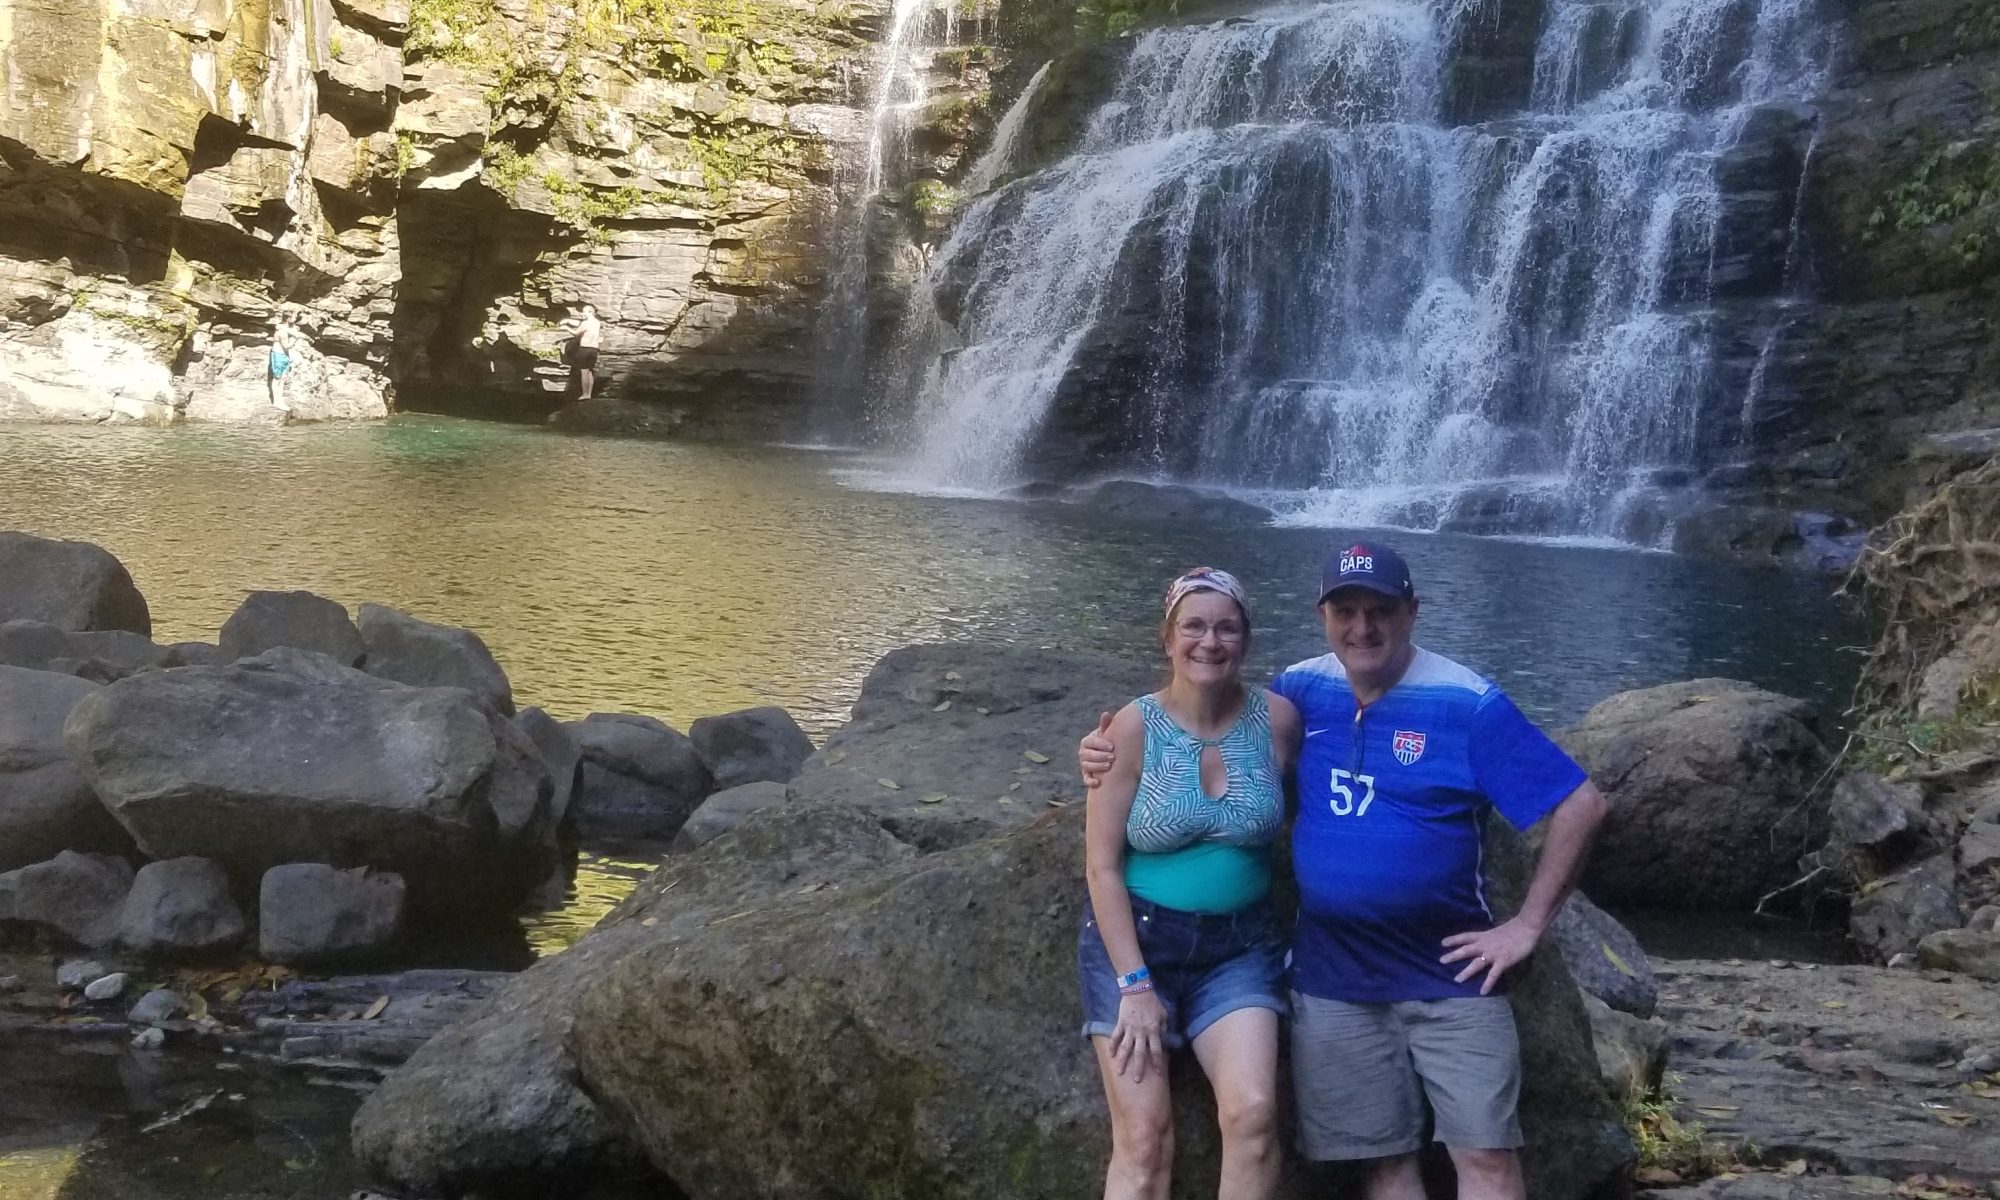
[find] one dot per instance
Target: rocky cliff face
(422, 191)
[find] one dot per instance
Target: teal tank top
(1195, 852)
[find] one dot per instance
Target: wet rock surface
(1854, 1069)
(950, 743)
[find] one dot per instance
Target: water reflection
(686, 580)
(680, 580)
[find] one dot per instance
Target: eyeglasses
(1194, 629)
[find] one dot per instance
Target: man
(1397, 963)
(586, 333)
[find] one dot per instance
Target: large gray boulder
(751, 745)
(181, 909)
(291, 757)
(496, 1101)
(75, 897)
(975, 738)
(913, 1033)
(641, 777)
(1711, 796)
(1603, 956)
(407, 650)
(724, 811)
(71, 585)
(302, 620)
(46, 806)
(313, 914)
(1631, 1051)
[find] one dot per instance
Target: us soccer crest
(1408, 746)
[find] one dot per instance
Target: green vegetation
(406, 152)
(1899, 741)
(1667, 1143)
(505, 167)
(934, 199)
(1109, 18)
(727, 158)
(1958, 189)
(587, 208)
(333, 45)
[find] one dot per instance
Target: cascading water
(1272, 263)
(899, 83)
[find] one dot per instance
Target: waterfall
(1273, 262)
(1000, 155)
(898, 84)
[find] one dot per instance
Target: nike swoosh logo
(1313, 732)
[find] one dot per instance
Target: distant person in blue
(1397, 963)
(1179, 945)
(284, 348)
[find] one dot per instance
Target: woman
(1179, 944)
(284, 344)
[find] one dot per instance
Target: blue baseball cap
(1368, 565)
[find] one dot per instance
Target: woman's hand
(1137, 1041)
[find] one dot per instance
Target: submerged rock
(1132, 499)
(1709, 785)
(310, 913)
(301, 620)
(71, 585)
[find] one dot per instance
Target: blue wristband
(1137, 977)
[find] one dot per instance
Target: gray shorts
(1363, 1072)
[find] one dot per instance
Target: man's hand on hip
(1494, 951)
(1095, 753)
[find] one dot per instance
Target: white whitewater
(1000, 155)
(1345, 294)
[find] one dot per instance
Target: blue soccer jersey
(1387, 846)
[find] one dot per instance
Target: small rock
(79, 972)
(1897, 913)
(407, 650)
(107, 988)
(301, 1047)
(150, 1038)
(1903, 961)
(9, 983)
(754, 745)
(726, 810)
(1965, 951)
(1985, 919)
(1979, 847)
(1980, 1060)
(156, 1006)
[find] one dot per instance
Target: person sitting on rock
(586, 333)
(1397, 963)
(1179, 943)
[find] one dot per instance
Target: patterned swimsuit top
(1171, 811)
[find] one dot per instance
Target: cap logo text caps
(1353, 560)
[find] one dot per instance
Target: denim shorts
(1204, 967)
